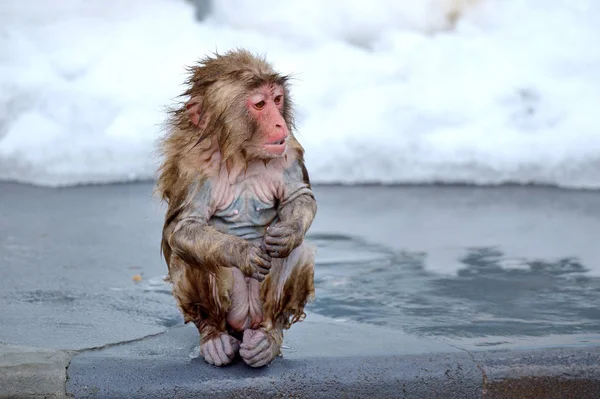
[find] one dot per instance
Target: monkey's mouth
(276, 147)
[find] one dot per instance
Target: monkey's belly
(246, 308)
(246, 217)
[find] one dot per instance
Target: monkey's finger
(262, 272)
(257, 276)
(278, 252)
(265, 256)
(275, 254)
(275, 248)
(276, 231)
(277, 240)
(261, 269)
(227, 345)
(263, 263)
(262, 266)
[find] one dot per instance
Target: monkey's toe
(220, 350)
(258, 348)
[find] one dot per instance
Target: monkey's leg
(204, 299)
(284, 293)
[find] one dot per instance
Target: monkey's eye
(259, 105)
(278, 99)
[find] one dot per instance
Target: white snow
(387, 90)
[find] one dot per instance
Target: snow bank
(394, 92)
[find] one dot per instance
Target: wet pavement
(68, 257)
(452, 268)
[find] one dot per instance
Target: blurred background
(388, 91)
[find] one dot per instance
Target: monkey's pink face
(265, 105)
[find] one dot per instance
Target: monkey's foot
(220, 350)
(259, 348)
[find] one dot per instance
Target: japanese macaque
(239, 204)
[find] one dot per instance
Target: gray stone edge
(28, 372)
(549, 372)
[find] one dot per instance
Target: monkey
(239, 204)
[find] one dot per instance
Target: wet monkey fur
(239, 202)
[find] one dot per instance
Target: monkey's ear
(194, 110)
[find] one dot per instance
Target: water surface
(492, 297)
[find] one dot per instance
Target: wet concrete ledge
(166, 366)
(324, 359)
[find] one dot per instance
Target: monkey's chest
(246, 216)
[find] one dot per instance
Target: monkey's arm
(296, 213)
(190, 237)
(200, 245)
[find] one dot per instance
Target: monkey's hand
(282, 238)
(256, 264)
